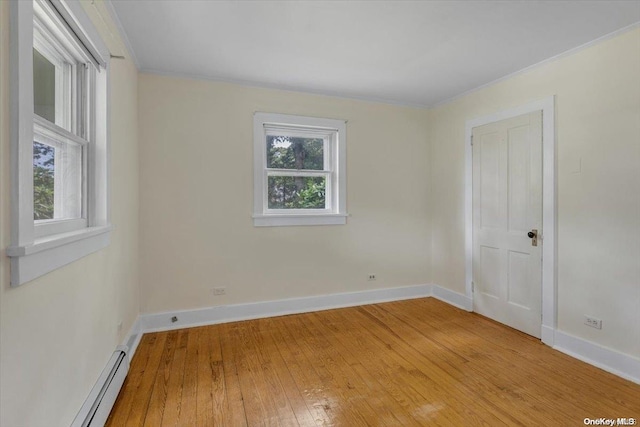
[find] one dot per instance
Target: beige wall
(598, 127)
(58, 331)
(197, 193)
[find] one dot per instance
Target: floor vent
(96, 408)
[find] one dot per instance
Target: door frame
(549, 185)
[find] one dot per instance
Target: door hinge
(472, 140)
(473, 287)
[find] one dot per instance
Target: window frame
(45, 132)
(38, 247)
(334, 135)
(46, 45)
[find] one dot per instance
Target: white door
(507, 207)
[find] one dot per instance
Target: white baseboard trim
(156, 322)
(451, 297)
(548, 335)
(132, 339)
(617, 363)
(620, 364)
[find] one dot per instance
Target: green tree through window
(43, 181)
(295, 192)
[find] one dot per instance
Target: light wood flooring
(410, 363)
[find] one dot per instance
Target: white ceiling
(406, 52)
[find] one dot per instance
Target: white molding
(609, 360)
(549, 187)
(291, 220)
(538, 64)
(34, 261)
(21, 124)
(52, 242)
(452, 298)
(620, 364)
(155, 322)
(547, 335)
(132, 339)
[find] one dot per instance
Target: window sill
(51, 252)
(302, 219)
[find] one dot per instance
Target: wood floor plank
(266, 378)
(488, 394)
(331, 389)
(260, 408)
(296, 400)
(423, 396)
(157, 401)
(235, 414)
(446, 370)
(409, 363)
(387, 399)
(188, 406)
(500, 364)
(367, 363)
(176, 382)
(208, 375)
(142, 396)
(424, 361)
(505, 349)
(311, 387)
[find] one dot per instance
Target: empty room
(319, 213)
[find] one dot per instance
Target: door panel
(519, 292)
(490, 269)
(519, 179)
(490, 180)
(507, 204)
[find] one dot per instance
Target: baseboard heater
(96, 408)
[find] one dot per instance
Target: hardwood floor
(409, 363)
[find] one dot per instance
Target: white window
(59, 80)
(299, 170)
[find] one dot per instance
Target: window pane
(299, 192)
(69, 182)
(57, 179)
(284, 152)
(43, 181)
(44, 87)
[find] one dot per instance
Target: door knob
(533, 235)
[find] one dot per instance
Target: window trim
(32, 254)
(336, 130)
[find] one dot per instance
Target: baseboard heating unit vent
(96, 408)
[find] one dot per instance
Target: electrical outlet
(219, 291)
(371, 277)
(593, 322)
